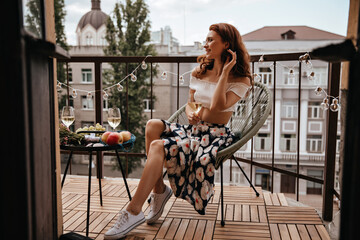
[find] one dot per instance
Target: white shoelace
(123, 218)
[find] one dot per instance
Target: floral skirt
(190, 152)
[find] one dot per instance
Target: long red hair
(231, 35)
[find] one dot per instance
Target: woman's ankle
(160, 189)
(133, 211)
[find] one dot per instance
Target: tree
(33, 17)
(127, 33)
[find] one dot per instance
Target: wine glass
(114, 117)
(195, 106)
(67, 115)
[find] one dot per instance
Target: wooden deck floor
(247, 216)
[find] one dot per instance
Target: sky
(190, 19)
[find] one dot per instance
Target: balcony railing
(331, 117)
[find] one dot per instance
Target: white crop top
(205, 91)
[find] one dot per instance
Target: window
(262, 178)
(312, 187)
(289, 109)
(314, 110)
(70, 75)
(240, 109)
(86, 103)
(105, 104)
(86, 75)
(237, 177)
(266, 75)
(314, 143)
(147, 105)
(321, 75)
(103, 40)
(288, 143)
(262, 141)
(89, 39)
(338, 143)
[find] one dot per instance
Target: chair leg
(99, 175)
(88, 199)
(242, 170)
(122, 172)
(222, 195)
(66, 169)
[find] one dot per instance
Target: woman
(189, 151)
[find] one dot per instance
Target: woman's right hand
(193, 118)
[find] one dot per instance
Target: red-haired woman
(189, 151)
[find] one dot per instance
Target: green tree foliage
(127, 34)
(33, 17)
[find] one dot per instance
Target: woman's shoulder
(240, 80)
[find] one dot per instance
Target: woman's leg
(152, 174)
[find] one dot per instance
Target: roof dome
(95, 17)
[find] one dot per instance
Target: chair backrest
(249, 116)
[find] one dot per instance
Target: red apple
(105, 136)
(114, 138)
(126, 135)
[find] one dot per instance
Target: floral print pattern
(190, 152)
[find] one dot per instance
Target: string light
(335, 105)
(89, 96)
(163, 76)
(133, 77)
(143, 65)
(119, 87)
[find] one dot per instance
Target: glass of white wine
(114, 117)
(67, 115)
(195, 106)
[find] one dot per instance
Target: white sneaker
(124, 224)
(157, 204)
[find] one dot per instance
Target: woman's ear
(227, 45)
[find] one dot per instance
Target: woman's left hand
(228, 65)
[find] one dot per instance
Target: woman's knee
(154, 126)
(157, 144)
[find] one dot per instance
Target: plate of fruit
(123, 138)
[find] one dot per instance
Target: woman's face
(214, 46)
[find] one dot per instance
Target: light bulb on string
(325, 104)
(181, 80)
(311, 76)
(74, 93)
(335, 105)
(89, 96)
(318, 90)
(163, 76)
(59, 86)
(257, 77)
(119, 87)
(154, 65)
(143, 65)
(272, 67)
(308, 64)
(304, 58)
(291, 76)
(133, 77)
(105, 95)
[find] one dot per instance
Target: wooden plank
(229, 214)
(275, 199)
(182, 229)
(173, 228)
(200, 229)
(267, 199)
(254, 213)
(71, 220)
(237, 212)
(282, 199)
(275, 234)
(246, 213)
(191, 229)
(312, 232)
(293, 232)
(209, 230)
(284, 233)
(303, 232)
(262, 214)
(322, 232)
(164, 228)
